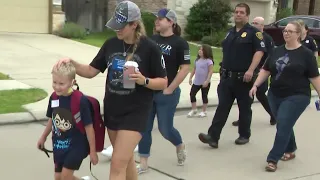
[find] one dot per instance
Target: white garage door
(30, 16)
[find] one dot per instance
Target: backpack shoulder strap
(54, 96)
(75, 108)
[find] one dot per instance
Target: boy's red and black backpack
(98, 124)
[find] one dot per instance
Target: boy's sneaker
(202, 114)
(86, 178)
(182, 155)
(192, 113)
(141, 170)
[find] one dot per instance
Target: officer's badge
(259, 35)
(307, 41)
(244, 34)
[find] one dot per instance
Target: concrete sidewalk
(229, 162)
(29, 58)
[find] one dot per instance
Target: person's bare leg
(194, 106)
(144, 162)
(132, 170)
(67, 174)
(122, 154)
(204, 107)
(57, 176)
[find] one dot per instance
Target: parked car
(275, 29)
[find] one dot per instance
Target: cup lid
(131, 63)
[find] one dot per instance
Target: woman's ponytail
(176, 29)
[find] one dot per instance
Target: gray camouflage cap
(125, 12)
(167, 13)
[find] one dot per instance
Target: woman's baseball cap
(167, 13)
(125, 12)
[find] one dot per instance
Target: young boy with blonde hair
(70, 144)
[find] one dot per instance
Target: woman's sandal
(288, 156)
(271, 167)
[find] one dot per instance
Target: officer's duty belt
(231, 74)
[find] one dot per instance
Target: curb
(28, 117)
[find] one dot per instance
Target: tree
(207, 17)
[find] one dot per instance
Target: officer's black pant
(261, 96)
(230, 89)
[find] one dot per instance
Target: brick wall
(303, 7)
(145, 5)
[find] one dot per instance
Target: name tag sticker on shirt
(54, 103)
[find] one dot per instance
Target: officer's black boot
(235, 123)
(208, 140)
(241, 141)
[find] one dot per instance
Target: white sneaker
(141, 170)
(182, 155)
(192, 113)
(86, 178)
(108, 151)
(202, 114)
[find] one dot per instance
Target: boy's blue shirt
(65, 134)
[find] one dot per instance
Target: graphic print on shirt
(166, 49)
(115, 73)
(62, 123)
(281, 63)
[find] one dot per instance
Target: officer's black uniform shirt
(310, 43)
(239, 48)
(268, 41)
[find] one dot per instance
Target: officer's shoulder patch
(259, 35)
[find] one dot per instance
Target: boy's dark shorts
(73, 160)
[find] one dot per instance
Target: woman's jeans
(286, 111)
(164, 106)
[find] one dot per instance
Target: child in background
(202, 70)
(70, 146)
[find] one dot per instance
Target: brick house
(303, 7)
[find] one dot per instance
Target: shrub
(283, 13)
(71, 30)
(207, 17)
(207, 40)
(215, 39)
(148, 21)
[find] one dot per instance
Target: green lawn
(12, 100)
(97, 39)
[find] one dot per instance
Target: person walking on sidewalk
(128, 96)
(258, 22)
(292, 67)
(177, 58)
(243, 48)
(202, 71)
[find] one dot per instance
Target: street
(21, 160)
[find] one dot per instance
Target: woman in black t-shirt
(126, 104)
(307, 40)
(292, 67)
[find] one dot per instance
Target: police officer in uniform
(243, 48)
(258, 22)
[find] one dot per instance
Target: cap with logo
(125, 12)
(167, 13)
